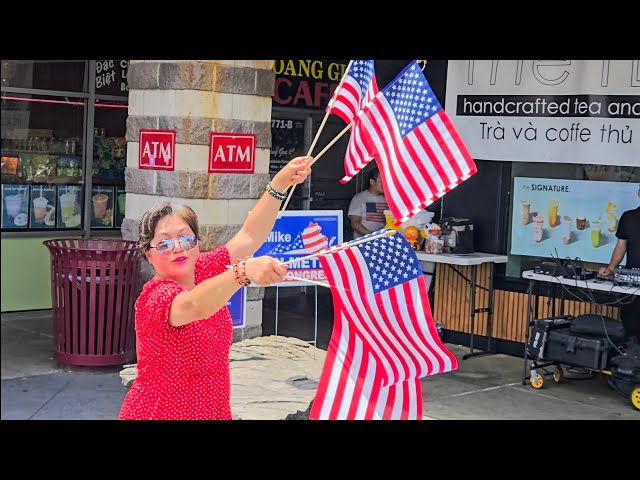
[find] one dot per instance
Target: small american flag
(374, 211)
(386, 337)
(358, 88)
(418, 151)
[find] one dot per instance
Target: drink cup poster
(568, 218)
(43, 206)
(102, 203)
(69, 208)
(15, 206)
(299, 233)
(120, 205)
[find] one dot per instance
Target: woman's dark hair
(150, 219)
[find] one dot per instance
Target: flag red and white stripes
(384, 337)
(418, 151)
(353, 386)
(313, 239)
(358, 88)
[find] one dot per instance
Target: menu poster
(43, 206)
(15, 206)
(69, 206)
(121, 198)
(102, 207)
(569, 218)
(287, 141)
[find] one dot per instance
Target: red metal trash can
(94, 284)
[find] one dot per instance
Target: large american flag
(418, 151)
(384, 337)
(350, 387)
(358, 88)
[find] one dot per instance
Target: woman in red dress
(183, 327)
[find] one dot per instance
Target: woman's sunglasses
(187, 242)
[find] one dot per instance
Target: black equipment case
(540, 332)
(600, 326)
(563, 346)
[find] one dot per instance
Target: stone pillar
(194, 98)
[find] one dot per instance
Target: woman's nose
(177, 247)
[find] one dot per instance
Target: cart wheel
(537, 381)
(635, 397)
(558, 376)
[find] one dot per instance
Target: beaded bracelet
(241, 276)
(276, 194)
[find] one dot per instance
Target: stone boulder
(272, 378)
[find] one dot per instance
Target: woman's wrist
(276, 194)
(279, 185)
(240, 271)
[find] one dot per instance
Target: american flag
(418, 151)
(358, 88)
(350, 384)
(384, 336)
(374, 211)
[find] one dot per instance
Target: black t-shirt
(629, 230)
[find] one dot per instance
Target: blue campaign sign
(299, 233)
(237, 307)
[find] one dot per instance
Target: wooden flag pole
(290, 277)
(317, 157)
(315, 139)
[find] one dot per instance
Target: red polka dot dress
(183, 372)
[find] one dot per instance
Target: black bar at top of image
(606, 106)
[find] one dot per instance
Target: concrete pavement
(487, 387)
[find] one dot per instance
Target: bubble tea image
(525, 211)
(13, 204)
(40, 208)
(552, 212)
(67, 205)
(538, 227)
(595, 233)
(100, 205)
(566, 229)
(611, 216)
(581, 222)
(122, 201)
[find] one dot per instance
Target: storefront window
(109, 163)
(42, 166)
(65, 75)
(572, 226)
(45, 168)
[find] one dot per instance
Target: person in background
(183, 326)
(628, 243)
(366, 210)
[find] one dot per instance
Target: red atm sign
(232, 152)
(157, 149)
